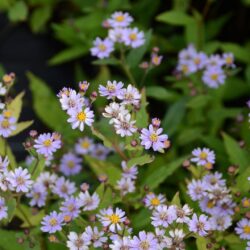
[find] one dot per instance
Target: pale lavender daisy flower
(200, 60)
(78, 241)
(46, 179)
(111, 90)
(87, 201)
(126, 185)
(79, 117)
(4, 163)
(129, 172)
(243, 229)
(52, 223)
(4, 182)
(186, 67)
(152, 137)
(116, 35)
(38, 195)
(130, 95)
(196, 189)
(156, 59)
(70, 207)
(102, 48)
(199, 224)
(133, 37)
(46, 144)
(124, 126)
(3, 209)
(71, 100)
(97, 237)
(84, 146)
(213, 77)
(120, 19)
(203, 157)
(215, 61)
(183, 213)
(152, 200)
(214, 179)
(20, 180)
(112, 218)
(121, 243)
(144, 241)
(70, 164)
(219, 222)
(164, 216)
(7, 124)
(187, 53)
(229, 60)
(100, 152)
(63, 188)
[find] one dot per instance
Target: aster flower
(152, 200)
(200, 60)
(213, 77)
(130, 95)
(79, 117)
(229, 60)
(96, 236)
(84, 146)
(7, 124)
(243, 229)
(20, 180)
(71, 100)
(102, 48)
(219, 222)
(46, 144)
(121, 243)
(129, 172)
(88, 202)
(133, 37)
(215, 61)
(183, 213)
(163, 241)
(113, 110)
(70, 207)
(124, 126)
(63, 188)
(245, 202)
(186, 67)
(78, 242)
(126, 185)
(116, 35)
(187, 53)
(144, 241)
(152, 138)
(70, 164)
(120, 19)
(3, 209)
(196, 189)
(156, 59)
(203, 157)
(52, 223)
(248, 245)
(112, 218)
(111, 90)
(38, 195)
(163, 216)
(4, 182)
(199, 224)
(4, 163)
(214, 179)
(100, 152)
(46, 179)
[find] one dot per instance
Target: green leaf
(174, 116)
(106, 61)
(68, 55)
(142, 115)
(155, 175)
(175, 18)
(176, 200)
(103, 167)
(18, 12)
(135, 55)
(38, 166)
(161, 94)
(9, 240)
(39, 17)
(236, 154)
(21, 126)
(6, 150)
(141, 219)
(16, 105)
(141, 160)
(104, 139)
(199, 101)
(11, 204)
(242, 181)
(201, 243)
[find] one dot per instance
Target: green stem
(24, 215)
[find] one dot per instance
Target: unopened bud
(67, 218)
(52, 238)
(85, 187)
(167, 144)
(92, 218)
(242, 144)
(193, 92)
(26, 231)
(186, 164)
(93, 96)
(33, 133)
(134, 143)
(156, 122)
(155, 49)
(231, 170)
(146, 188)
(247, 214)
(83, 86)
(126, 222)
(237, 209)
(106, 24)
(209, 245)
(20, 240)
(105, 246)
(27, 145)
(8, 78)
(103, 178)
(144, 65)
(56, 136)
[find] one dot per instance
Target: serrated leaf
(140, 161)
(21, 126)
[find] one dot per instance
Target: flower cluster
(118, 32)
(214, 68)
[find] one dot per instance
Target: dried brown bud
(242, 144)
(186, 164)
(146, 188)
(92, 218)
(26, 231)
(52, 238)
(237, 209)
(144, 65)
(209, 245)
(103, 178)
(231, 170)
(105, 246)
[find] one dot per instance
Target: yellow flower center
(102, 47)
(110, 87)
(246, 203)
(153, 137)
(203, 155)
(144, 245)
(197, 61)
(120, 18)
(155, 201)
(71, 164)
(208, 166)
(47, 143)
(246, 229)
(229, 60)
(85, 144)
(210, 204)
(184, 68)
(133, 36)
(5, 124)
(53, 222)
(71, 207)
(7, 113)
(114, 218)
(20, 180)
(156, 59)
(214, 77)
(81, 116)
(7, 79)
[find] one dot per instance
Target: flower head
(199, 224)
(88, 202)
(63, 188)
(144, 241)
(84, 146)
(111, 90)
(52, 223)
(70, 164)
(213, 77)
(3, 209)
(38, 195)
(120, 19)
(102, 48)
(203, 157)
(152, 200)
(97, 237)
(133, 37)
(7, 124)
(78, 241)
(243, 229)
(70, 207)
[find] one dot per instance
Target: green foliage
(18, 12)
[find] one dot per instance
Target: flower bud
(134, 143)
(85, 187)
(186, 164)
(33, 133)
(103, 178)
